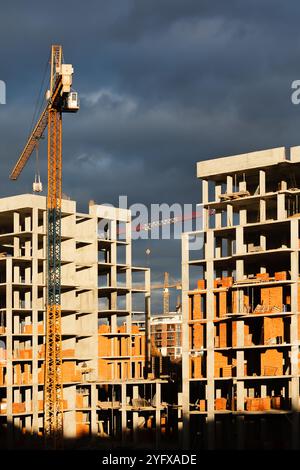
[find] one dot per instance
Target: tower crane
(59, 99)
(166, 293)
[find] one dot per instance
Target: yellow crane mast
(60, 99)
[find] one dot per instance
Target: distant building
(166, 334)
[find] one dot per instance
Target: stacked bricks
(104, 346)
(202, 405)
(70, 373)
(68, 353)
(201, 284)
(224, 282)
(28, 329)
(273, 327)
(2, 376)
(138, 347)
(222, 310)
(105, 370)
(197, 336)
(103, 329)
(196, 367)
(18, 408)
(195, 307)
(281, 276)
(262, 276)
(220, 404)
(247, 335)
(223, 334)
(79, 400)
(277, 403)
(272, 297)
(222, 368)
(271, 362)
(20, 377)
(258, 404)
(26, 375)
(82, 429)
(23, 354)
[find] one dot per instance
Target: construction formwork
(108, 389)
(240, 304)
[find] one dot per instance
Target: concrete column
(124, 411)
(243, 216)
(240, 365)
(210, 390)
(157, 414)
(218, 191)
(9, 350)
(262, 182)
(94, 418)
(230, 221)
(240, 246)
(229, 185)
(263, 242)
(218, 219)
(135, 414)
(294, 391)
(281, 212)
(34, 282)
(204, 191)
(262, 210)
(185, 340)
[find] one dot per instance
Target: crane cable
(37, 185)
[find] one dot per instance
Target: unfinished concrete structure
(241, 304)
(108, 388)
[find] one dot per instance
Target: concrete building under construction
(109, 390)
(241, 289)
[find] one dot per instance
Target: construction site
(241, 305)
(85, 363)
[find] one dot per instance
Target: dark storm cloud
(163, 83)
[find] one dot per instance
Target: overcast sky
(163, 84)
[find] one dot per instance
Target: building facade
(166, 334)
(241, 304)
(109, 391)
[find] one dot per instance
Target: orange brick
(201, 284)
(220, 404)
(18, 407)
(68, 353)
(265, 404)
(253, 404)
(197, 340)
(272, 362)
(40, 405)
(223, 335)
(82, 430)
(262, 276)
(227, 281)
(196, 367)
(28, 329)
(202, 405)
(281, 276)
(276, 403)
(79, 400)
(104, 329)
(197, 307)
